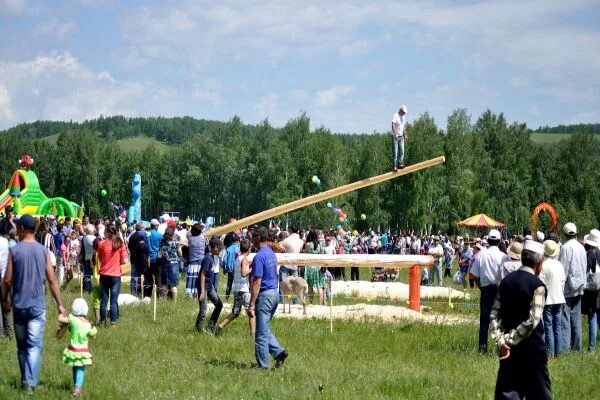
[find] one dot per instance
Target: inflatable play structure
(135, 211)
(26, 197)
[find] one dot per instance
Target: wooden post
(154, 297)
(414, 288)
(307, 201)
(80, 283)
(142, 286)
(330, 310)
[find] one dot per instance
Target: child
(96, 295)
(66, 260)
(77, 353)
(241, 288)
(206, 290)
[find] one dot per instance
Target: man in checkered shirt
(515, 327)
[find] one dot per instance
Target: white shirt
(574, 260)
(488, 266)
(553, 276)
(399, 120)
(240, 284)
(330, 249)
(3, 255)
(293, 245)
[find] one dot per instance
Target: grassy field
(167, 359)
(127, 144)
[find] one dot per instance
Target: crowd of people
(57, 249)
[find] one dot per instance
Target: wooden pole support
(414, 288)
(307, 201)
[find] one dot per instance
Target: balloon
(103, 192)
(336, 210)
(341, 219)
(338, 228)
(318, 182)
(363, 216)
(355, 233)
(340, 212)
(315, 179)
(329, 205)
(343, 216)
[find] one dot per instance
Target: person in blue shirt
(231, 253)
(264, 299)
(206, 290)
(153, 274)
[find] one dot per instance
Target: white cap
(403, 108)
(494, 234)
(165, 217)
(528, 237)
(533, 246)
(570, 228)
(154, 222)
(540, 236)
(79, 307)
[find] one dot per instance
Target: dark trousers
(110, 286)
(522, 377)
(354, 274)
(488, 294)
(87, 276)
(5, 325)
(212, 296)
(229, 284)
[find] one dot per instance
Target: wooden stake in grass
(330, 310)
(154, 300)
(80, 283)
(142, 286)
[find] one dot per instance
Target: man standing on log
(399, 135)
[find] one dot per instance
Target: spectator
(516, 329)
(553, 276)
(590, 303)
(27, 269)
(169, 257)
(198, 246)
(5, 328)
(574, 259)
(206, 290)
(114, 259)
(487, 271)
(7, 224)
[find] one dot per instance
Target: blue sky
(348, 64)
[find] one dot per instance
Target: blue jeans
(265, 343)
(284, 272)
(488, 295)
(213, 297)
(134, 282)
(571, 324)
(553, 329)
(78, 376)
(397, 152)
(109, 286)
(215, 282)
(29, 332)
(593, 329)
(436, 270)
(229, 284)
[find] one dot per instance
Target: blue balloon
(337, 228)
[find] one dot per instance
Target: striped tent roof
(481, 220)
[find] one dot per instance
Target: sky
(348, 64)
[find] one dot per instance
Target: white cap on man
(494, 235)
(404, 109)
(570, 229)
(534, 247)
(540, 236)
(154, 222)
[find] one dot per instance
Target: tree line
(226, 169)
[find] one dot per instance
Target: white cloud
(12, 7)
(356, 48)
(331, 96)
(267, 107)
(54, 28)
(6, 113)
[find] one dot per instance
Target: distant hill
(561, 129)
(126, 144)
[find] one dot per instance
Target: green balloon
(103, 192)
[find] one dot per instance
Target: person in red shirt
(113, 257)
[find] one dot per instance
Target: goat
(294, 286)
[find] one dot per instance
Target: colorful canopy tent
(481, 221)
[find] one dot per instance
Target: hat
(165, 217)
(494, 234)
(593, 238)
(570, 228)
(528, 237)
(171, 224)
(533, 246)
(90, 229)
(51, 216)
(436, 238)
(27, 222)
(551, 248)
(514, 250)
(540, 236)
(403, 108)
(79, 307)
(154, 222)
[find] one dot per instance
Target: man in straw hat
(514, 252)
(553, 276)
(516, 329)
(573, 258)
(487, 271)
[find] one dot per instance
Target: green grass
(140, 143)
(166, 359)
(552, 138)
(127, 144)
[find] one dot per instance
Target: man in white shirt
(574, 259)
(399, 135)
(487, 270)
(293, 245)
(437, 252)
